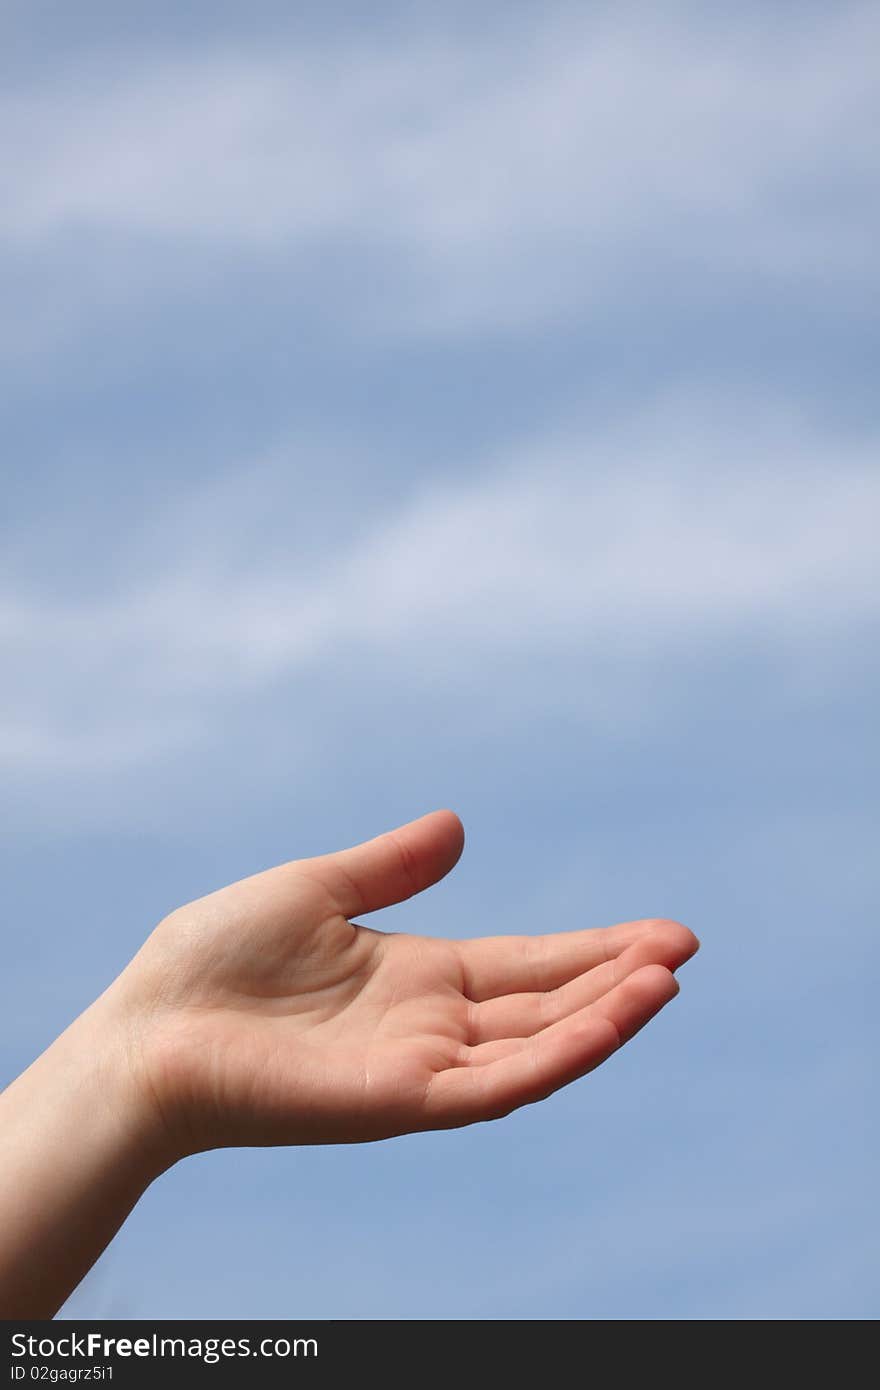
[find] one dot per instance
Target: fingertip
(453, 828)
(431, 845)
(689, 941)
(679, 939)
(453, 816)
(656, 981)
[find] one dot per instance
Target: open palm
(267, 1016)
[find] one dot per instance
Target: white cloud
(643, 547)
(505, 175)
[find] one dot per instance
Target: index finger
(497, 965)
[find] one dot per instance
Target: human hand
(262, 1014)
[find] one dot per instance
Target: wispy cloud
(672, 536)
(481, 180)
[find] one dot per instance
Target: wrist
(79, 1144)
(106, 1050)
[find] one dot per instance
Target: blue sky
(468, 409)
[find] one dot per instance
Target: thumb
(393, 866)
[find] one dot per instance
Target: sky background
(474, 407)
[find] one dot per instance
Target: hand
(262, 1014)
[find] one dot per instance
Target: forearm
(78, 1147)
